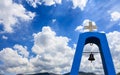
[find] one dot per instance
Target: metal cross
(91, 27)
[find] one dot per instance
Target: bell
(91, 58)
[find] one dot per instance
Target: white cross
(91, 27)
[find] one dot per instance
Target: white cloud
(10, 12)
(21, 50)
(12, 61)
(80, 28)
(53, 51)
(4, 37)
(80, 3)
(53, 20)
(34, 3)
(76, 3)
(115, 16)
(113, 40)
(52, 55)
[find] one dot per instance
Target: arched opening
(89, 67)
(96, 66)
(94, 40)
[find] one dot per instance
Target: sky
(41, 35)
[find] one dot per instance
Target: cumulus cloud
(10, 12)
(52, 51)
(53, 20)
(34, 3)
(115, 16)
(114, 44)
(21, 50)
(79, 3)
(4, 37)
(80, 28)
(52, 55)
(76, 3)
(12, 61)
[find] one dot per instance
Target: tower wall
(101, 41)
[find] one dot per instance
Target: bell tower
(100, 40)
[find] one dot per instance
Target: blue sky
(30, 29)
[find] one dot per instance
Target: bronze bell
(91, 58)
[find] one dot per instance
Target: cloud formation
(34, 3)
(10, 12)
(76, 3)
(79, 3)
(52, 51)
(12, 61)
(52, 55)
(115, 16)
(114, 44)
(81, 29)
(4, 37)
(21, 50)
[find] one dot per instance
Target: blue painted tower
(100, 40)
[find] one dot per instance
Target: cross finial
(91, 27)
